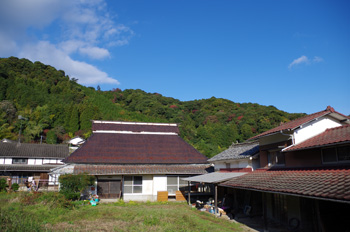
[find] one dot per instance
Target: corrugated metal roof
(141, 169)
(237, 151)
(215, 177)
(31, 150)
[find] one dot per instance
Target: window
(336, 154)
(275, 158)
(132, 184)
(175, 183)
(53, 179)
(19, 161)
(228, 165)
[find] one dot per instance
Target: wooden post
(216, 199)
(189, 193)
(266, 229)
(318, 215)
(235, 198)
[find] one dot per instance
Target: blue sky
(294, 55)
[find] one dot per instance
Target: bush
(15, 187)
(3, 185)
(73, 185)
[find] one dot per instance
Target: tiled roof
(27, 168)
(119, 148)
(141, 169)
(134, 126)
(298, 122)
(330, 136)
(237, 151)
(327, 183)
(31, 150)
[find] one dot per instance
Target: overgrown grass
(52, 212)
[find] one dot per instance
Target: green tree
(51, 137)
(73, 185)
(246, 131)
(74, 121)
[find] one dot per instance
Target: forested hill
(56, 108)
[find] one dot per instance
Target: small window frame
(134, 186)
(17, 161)
(336, 155)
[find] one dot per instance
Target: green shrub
(54, 200)
(73, 185)
(15, 187)
(3, 185)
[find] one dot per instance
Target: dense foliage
(3, 185)
(55, 108)
(71, 186)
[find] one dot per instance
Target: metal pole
(19, 136)
(189, 193)
(216, 199)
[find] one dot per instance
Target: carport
(212, 178)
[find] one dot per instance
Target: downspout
(293, 140)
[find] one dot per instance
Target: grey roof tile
(237, 151)
(31, 150)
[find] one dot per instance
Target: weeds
(52, 212)
(17, 220)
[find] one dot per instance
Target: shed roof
(292, 125)
(237, 151)
(327, 183)
(31, 150)
(331, 136)
(214, 177)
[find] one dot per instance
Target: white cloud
(305, 60)
(86, 74)
(317, 59)
(67, 28)
(95, 52)
(300, 60)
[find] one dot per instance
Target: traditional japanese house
(136, 160)
(304, 179)
(23, 161)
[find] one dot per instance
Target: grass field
(52, 212)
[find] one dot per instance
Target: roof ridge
(336, 128)
(305, 119)
(135, 123)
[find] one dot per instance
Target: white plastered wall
(243, 163)
(147, 191)
(314, 128)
